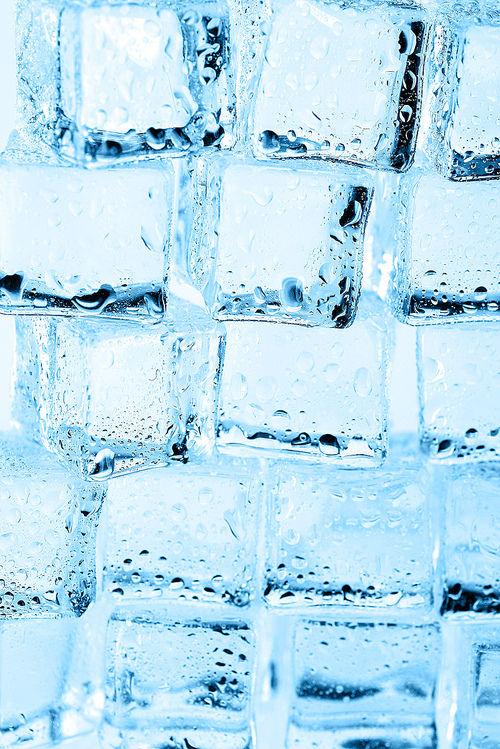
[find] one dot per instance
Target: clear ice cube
(74, 241)
(317, 393)
(458, 377)
(448, 250)
(202, 543)
(363, 684)
(125, 79)
(471, 540)
(178, 681)
(115, 398)
(468, 129)
(342, 82)
(286, 243)
(343, 540)
(48, 526)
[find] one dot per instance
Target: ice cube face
(458, 383)
(79, 242)
(131, 79)
(470, 129)
(116, 398)
(448, 248)
(286, 243)
(471, 540)
(48, 526)
(385, 673)
(341, 82)
(178, 681)
(319, 394)
(340, 540)
(201, 546)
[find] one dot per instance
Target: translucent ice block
(117, 397)
(178, 681)
(467, 102)
(317, 393)
(364, 685)
(471, 540)
(339, 539)
(286, 243)
(74, 241)
(125, 79)
(341, 82)
(458, 384)
(448, 251)
(471, 684)
(48, 525)
(201, 545)
(50, 682)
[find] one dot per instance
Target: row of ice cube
(119, 398)
(289, 78)
(250, 241)
(401, 538)
(149, 676)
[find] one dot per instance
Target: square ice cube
(287, 243)
(178, 681)
(344, 540)
(74, 241)
(131, 79)
(318, 393)
(115, 398)
(202, 544)
(470, 690)
(471, 89)
(359, 684)
(341, 82)
(458, 379)
(471, 540)
(48, 526)
(448, 250)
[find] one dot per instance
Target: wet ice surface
(76, 242)
(449, 247)
(125, 80)
(473, 130)
(344, 541)
(341, 82)
(48, 526)
(363, 685)
(202, 543)
(286, 243)
(114, 399)
(318, 393)
(458, 385)
(178, 681)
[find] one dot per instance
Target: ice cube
(448, 250)
(471, 540)
(354, 541)
(74, 241)
(287, 243)
(469, 144)
(118, 397)
(202, 543)
(48, 526)
(458, 382)
(363, 684)
(178, 681)
(341, 82)
(470, 689)
(317, 393)
(126, 79)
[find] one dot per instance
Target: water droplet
(96, 301)
(292, 295)
(239, 386)
(305, 361)
(362, 382)
(102, 465)
(329, 445)
(266, 389)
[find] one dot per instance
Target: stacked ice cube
(210, 535)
